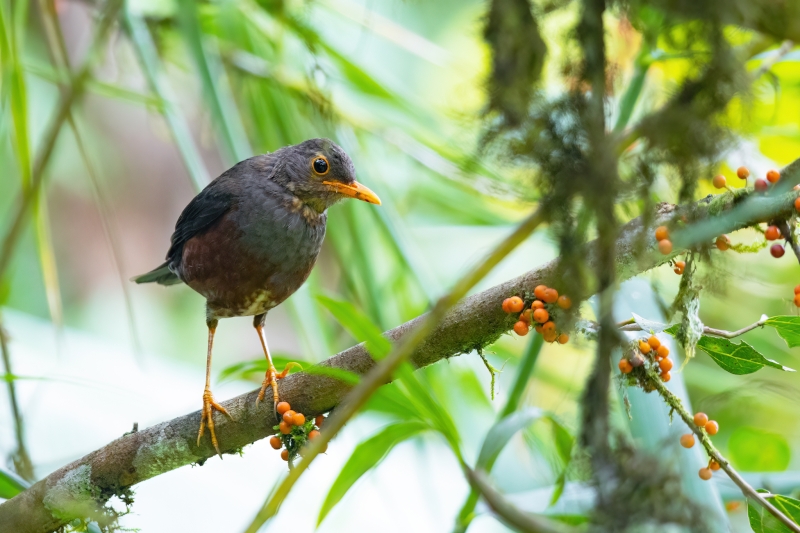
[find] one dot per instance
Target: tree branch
(626, 326)
(80, 488)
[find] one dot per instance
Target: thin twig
(773, 58)
(509, 513)
(385, 369)
(22, 460)
(677, 406)
(706, 330)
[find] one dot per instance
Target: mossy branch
(81, 488)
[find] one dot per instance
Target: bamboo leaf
(502, 431)
(254, 368)
(358, 325)
(366, 456)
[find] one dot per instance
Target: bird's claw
(207, 418)
(271, 377)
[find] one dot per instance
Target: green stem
(628, 101)
(467, 512)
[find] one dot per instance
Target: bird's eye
(320, 166)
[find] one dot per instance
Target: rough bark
(79, 489)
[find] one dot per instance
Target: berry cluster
(294, 431)
(711, 427)
(541, 312)
(649, 349)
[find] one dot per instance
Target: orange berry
(772, 233)
(313, 434)
(550, 336)
(713, 465)
(797, 204)
(541, 316)
(282, 407)
(712, 427)
(665, 246)
(521, 328)
(644, 347)
(797, 300)
(537, 304)
(285, 428)
(679, 267)
(662, 233)
(275, 442)
(625, 366)
(723, 243)
(506, 305)
(654, 342)
(662, 351)
(288, 416)
(548, 327)
(298, 419)
(525, 316)
(515, 304)
(761, 185)
(563, 338)
(564, 302)
(550, 296)
(773, 176)
(285, 455)
(797, 289)
(687, 441)
(719, 181)
(700, 419)
(665, 364)
(539, 291)
(705, 474)
(319, 420)
(743, 173)
(733, 506)
(665, 376)
(538, 328)
(777, 250)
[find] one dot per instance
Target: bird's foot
(271, 377)
(207, 418)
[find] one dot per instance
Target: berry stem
(747, 490)
(786, 232)
(628, 326)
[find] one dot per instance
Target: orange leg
(272, 376)
(206, 416)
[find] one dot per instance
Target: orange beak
(354, 190)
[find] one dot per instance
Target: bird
(250, 239)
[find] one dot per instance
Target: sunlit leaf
(736, 358)
(788, 327)
(756, 450)
(358, 325)
(254, 368)
(502, 431)
(649, 326)
(763, 522)
(366, 456)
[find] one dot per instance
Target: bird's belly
(238, 278)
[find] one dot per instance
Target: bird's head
(320, 174)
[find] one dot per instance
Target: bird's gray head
(320, 174)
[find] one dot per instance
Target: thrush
(250, 239)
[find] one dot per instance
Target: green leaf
(788, 327)
(736, 358)
(358, 325)
(11, 484)
(254, 368)
(763, 522)
(366, 456)
(502, 431)
(564, 442)
(756, 450)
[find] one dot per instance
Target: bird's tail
(161, 275)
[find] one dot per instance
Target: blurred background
(178, 91)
